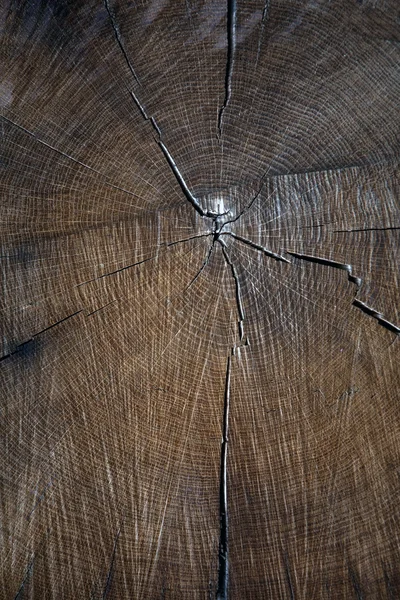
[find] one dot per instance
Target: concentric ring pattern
(200, 299)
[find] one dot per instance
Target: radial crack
(376, 315)
(203, 266)
(223, 571)
(237, 290)
(264, 18)
(21, 347)
(357, 281)
(330, 263)
(68, 156)
(269, 253)
(230, 58)
(107, 586)
(119, 40)
(366, 229)
(170, 160)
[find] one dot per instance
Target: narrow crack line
(21, 346)
(355, 583)
(170, 160)
(357, 281)
(366, 229)
(223, 571)
(68, 156)
(136, 264)
(288, 576)
(140, 262)
(28, 572)
(264, 18)
(107, 586)
(267, 252)
(102, 307)
(193, 237)
(237, 290)
(203, 266)
(119, 40)
(230, 58)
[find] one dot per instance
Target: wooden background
(200, 305)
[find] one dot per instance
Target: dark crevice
(357, 281)
(288, 576)
(230, 57)
(171, 162)
(377, 315)
(223, 570)
(329, 263)
(255, 246)
(237, 290)
(356, 584)
(366, 229)
(119, 40)
(19, 595)
(21, 347)
(107, 586)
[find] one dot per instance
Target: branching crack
(230, 58)
(107, 586)
(22, 346)
(237, 287)
(222, 592)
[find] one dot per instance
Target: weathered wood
(200, 308)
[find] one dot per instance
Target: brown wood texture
(200, 305)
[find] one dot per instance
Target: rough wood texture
(200, 299)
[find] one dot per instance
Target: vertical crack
(230, 57)
(264, 18)
(222, 591)
(237, 287)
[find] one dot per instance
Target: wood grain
(200, 307)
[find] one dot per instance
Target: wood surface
(200, 309)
